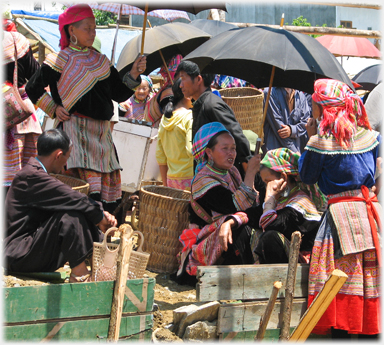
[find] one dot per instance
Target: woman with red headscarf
(342, 159)
(83, 83)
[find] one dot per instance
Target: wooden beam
(319, 30)
(318, 306)
(242, 282)
(342, 3)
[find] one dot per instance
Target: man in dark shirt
(209, 107)
(47, 222)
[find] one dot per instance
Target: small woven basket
(163, 217)
(76, 183)
(137, 261)
(247, 104)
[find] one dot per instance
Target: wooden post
(318, 306)
(41, 53)
(268, 311)
(144, 26)
(123, 256)
(290, 284)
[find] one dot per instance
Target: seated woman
(289, 206)
(217, 192)
(133, 107)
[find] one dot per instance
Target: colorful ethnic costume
(295, 212)
(342, 159)
(84, 82)
(215, 195)
(20, 140)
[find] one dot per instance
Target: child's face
(142, 91)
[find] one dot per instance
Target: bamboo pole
(123, 256)
(115, 39)
(290, 285)
(144, 25)
(268, 311)
(318, 306)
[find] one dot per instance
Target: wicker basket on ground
(163, 217)
(76, 183)
(247, 104)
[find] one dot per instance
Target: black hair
(208, 79)
(176, 98)
(51, 140)
(189, 67)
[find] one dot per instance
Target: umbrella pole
(115, 40)
(261, 133)
(266, 104)
(162, 58)
(144, 25)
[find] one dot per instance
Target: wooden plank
(247, 282)
(55, 301)
(240, 317)
(271, 335)
(85, 329)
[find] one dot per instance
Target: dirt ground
(168, 296)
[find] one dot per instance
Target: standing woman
(174, 145)
(20, 140)
(342, 159)
(83, 84)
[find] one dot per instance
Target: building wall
(362, 18)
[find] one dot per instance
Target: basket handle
(106, 235)
(139, 249)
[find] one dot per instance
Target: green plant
(102, 17)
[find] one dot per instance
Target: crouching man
(47, 222)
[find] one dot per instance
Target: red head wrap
(9, 25)
(72, 15)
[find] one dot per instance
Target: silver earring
(75, 43)
(286, 192)
(210, 162)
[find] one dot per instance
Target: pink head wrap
(343, 110)
(72, 15)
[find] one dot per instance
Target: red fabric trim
(351, 313)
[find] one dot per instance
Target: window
(37, 6)
(346, 24)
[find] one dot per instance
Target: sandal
(86, 278)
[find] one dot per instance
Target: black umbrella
(162, 43)
(212, 27)
(369, 77)
(250, 53)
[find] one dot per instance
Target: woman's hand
(253, 167)
(139, 66)
(275, 188)
(62, 114)
(285, 131)
(107, 222)
(311, 127)
(225, 234)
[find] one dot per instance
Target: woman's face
(223, 153)
(317, 110)
(85, 31)
(269, 175)
(142, 91)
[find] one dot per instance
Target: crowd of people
(317, 172)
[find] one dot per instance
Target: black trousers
(66, 236)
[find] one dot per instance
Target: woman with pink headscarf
(342, 157)
(83, 83)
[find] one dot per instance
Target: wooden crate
(248, 288)
(81, 311)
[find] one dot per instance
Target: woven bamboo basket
(163, 217)
(247, 104)
(76, 183)
(138, 259)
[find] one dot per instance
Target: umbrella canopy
(349, 46)
(369, 77)
(171, 39)
(187, 6)
(250, 53)
(212, 27)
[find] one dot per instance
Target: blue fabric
(340, 172)
(278, 114)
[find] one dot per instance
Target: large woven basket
(163, 217)
(76, 183)
(247, 104)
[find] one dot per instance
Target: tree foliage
(102, 17)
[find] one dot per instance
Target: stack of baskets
(247, 104)
(76, 184)
(163, 217)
